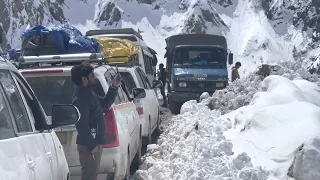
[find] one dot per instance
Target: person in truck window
(163, 78)
(235, 74)
(91, 127)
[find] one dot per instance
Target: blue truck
(195, 63)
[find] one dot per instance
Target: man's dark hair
(238, 64)
(79, 71)
(161, 65)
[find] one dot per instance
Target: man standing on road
(235, 74)
(163, 78)
(91, 127)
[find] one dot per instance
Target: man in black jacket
(162, 74)
(91, 126)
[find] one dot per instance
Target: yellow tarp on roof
(113, 47)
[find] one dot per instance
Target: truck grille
(201, 86)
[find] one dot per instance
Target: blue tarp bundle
(67, 39)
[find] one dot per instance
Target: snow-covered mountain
(258, 31)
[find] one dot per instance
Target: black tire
(137, 158)
(128, 171)
(174, 108)
(157, 131)
(147, 140)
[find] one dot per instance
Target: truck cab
(196, 63)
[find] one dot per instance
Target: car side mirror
(230, 58)
(157, 84)
(138, 93)
(64, 114)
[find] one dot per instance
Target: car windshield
(52, 90)
(203, 57)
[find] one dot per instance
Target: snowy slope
(259, 136)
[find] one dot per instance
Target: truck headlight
(220, 84)
(182, 84)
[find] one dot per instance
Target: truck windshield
(203, 57)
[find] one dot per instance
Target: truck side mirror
(230, 58)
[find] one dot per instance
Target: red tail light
(111, 136)
(140, 110)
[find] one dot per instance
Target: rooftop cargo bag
(56, 39)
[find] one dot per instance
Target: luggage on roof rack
(56, 39)
(119, 51)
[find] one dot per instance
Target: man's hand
(116, 82)
(94, 151)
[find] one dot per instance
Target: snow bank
(194, 147)
(307, 163)
(277, 121)
(263, 124)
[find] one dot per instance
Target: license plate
(62, 137)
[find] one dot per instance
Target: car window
(128, 81)
(40, 118)
(144, 77)
(6, 128)
(126, 92)
(140, 81)
(15, 101)
(109, 77)
(52, 90)
(121, 95)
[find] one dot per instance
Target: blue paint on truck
(196, 63)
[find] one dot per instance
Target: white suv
(134, 77)
(53, 84)
(30, 149)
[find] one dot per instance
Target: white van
(147, 56)
(30, 148)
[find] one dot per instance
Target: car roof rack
(73, 59)
(113, 31)
(90, 57)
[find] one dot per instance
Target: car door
(13, 164)
(31, 140)
(136, 121)
(122, 109)
(53, 148)
(150, 98)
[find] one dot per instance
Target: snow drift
(258, 140)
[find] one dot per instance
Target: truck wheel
(174, 108)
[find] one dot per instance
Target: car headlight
(218, 85)
(182, 84)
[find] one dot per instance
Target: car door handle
(127, 119)
(49, 156)
(133, 116)
(31, 164)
